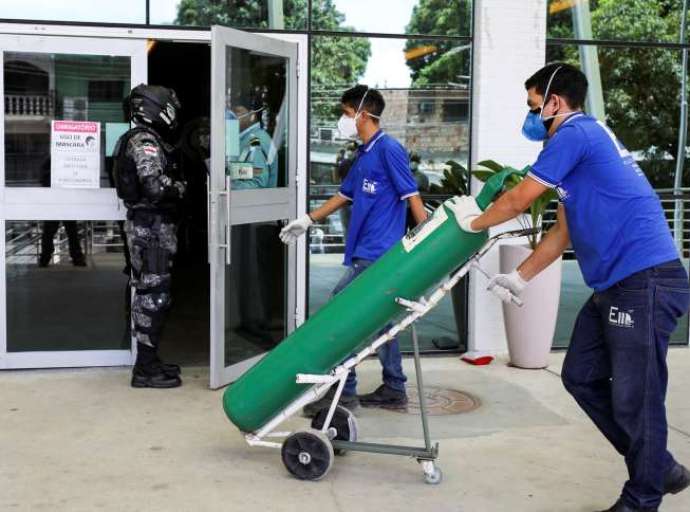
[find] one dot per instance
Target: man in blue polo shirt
(379, 185)
(615, 367)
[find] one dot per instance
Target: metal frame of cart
(309, 454)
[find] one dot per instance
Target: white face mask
(347, 126)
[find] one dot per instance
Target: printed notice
(75, 154)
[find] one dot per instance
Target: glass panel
(650, 20)
(428, 17)
(122, 11)
(639, 113)
(66, 288)
(43, 87)
(426, 88)
(256, 120)
(255, 291)
(273, 14)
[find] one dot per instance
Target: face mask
(536, 127)
(347, 126)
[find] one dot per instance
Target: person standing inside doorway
(615, 367)
(146, 180)
(379, 185)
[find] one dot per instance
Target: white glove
(503, 285)
(466, 210)
(295, 229)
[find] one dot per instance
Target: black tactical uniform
(146, 179)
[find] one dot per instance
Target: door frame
(203, 36)
(233, 208)
(34, 203)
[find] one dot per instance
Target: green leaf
(491, 164)
(483, 175)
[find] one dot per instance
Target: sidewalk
(83, 440)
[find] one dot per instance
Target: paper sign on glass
(75, 154)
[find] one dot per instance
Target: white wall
(509, 45)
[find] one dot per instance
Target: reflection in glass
(255, 291)
(63, 305)
(273, 14)
(650, 20)
(122, 11)
(42, 87)
(256, 120)
(426, 88)
(429, 17)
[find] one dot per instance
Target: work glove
(466, 210)
(295, 229)
(503, 285)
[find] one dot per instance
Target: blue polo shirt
(378, 183)
(615, 220)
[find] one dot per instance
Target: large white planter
(530, 329)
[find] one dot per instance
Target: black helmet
(155, 106)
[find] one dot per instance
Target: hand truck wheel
(432, 473)
(308, 454)
(343, 425)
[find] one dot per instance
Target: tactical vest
(125, 173)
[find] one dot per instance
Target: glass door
(62, 286)
(253, 192)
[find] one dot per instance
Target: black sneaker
(619, 506)
(350, 402)
(384, 397)
(677, 480)
(43, 261)
(154, 376)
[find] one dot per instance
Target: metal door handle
(226, 245)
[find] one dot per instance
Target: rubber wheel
(434, 478)
(344, 423)
(308, 454)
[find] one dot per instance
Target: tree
(438, 62)
(641, 86)
(239, 13)
(337, 62)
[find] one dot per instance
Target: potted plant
(530, 328)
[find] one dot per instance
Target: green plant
(454, 182)
(536, 210)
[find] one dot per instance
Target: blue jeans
(389, 353)
(616, 370)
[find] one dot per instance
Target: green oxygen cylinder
(423, 258)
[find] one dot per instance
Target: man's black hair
(569, 82)
(373, 103)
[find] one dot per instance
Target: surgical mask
(536, 127)
(347, 126)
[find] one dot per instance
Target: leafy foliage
(538, 207)
(439, 17)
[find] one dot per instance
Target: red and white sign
(75, 154)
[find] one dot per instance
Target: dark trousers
(616, 370)
(50, 227)
(388, 353)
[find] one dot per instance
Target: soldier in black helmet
(146, 179)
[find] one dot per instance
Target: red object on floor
(477, 359)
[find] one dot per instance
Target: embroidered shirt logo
(621, 318)
(369, 186)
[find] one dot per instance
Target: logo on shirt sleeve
(369, 186)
